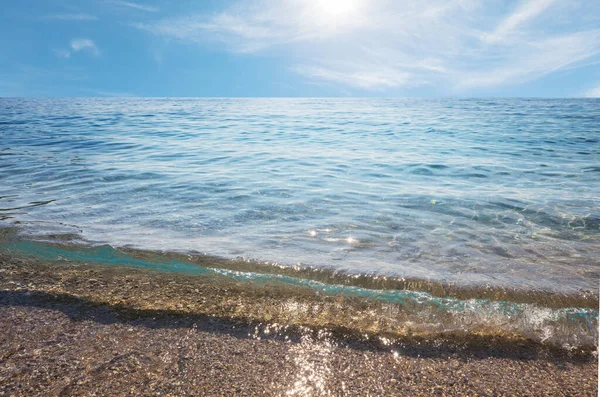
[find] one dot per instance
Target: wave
(395, 308)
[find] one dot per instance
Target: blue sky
(314, 48)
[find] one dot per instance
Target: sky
(300, 48)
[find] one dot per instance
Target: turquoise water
(568, 327)
(473, 191)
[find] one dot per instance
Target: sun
(337, 7)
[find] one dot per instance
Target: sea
(473, 193)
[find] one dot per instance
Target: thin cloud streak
(526, 12)
(135, 6)
(371, 80)
(112, 94)
(455, 45)
(535, 60)
(71, 17)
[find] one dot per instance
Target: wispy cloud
(135, 6)
(84, 45)
(252, 26)
(71, 17)
(78, 45)
(524, 13)
(384, 44)
(593, 92)
(373, 79)
(62, 53)
(536, 59)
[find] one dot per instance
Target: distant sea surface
(502, 192)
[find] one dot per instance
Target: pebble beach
(74, 330)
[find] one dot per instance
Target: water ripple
(471, 191)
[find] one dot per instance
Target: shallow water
(280, 301)
(499, 192)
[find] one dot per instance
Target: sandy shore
(77, 330)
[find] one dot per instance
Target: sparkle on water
(499, 192)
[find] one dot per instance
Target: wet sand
(79, 330)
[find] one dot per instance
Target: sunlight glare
(337, 7)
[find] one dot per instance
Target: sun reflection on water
(312, 360)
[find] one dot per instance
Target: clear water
(471, 191)
(423, 313)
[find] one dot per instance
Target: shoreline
(193, 263)
(71, 329)
(140, 291)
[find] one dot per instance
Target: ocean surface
(475, 192)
